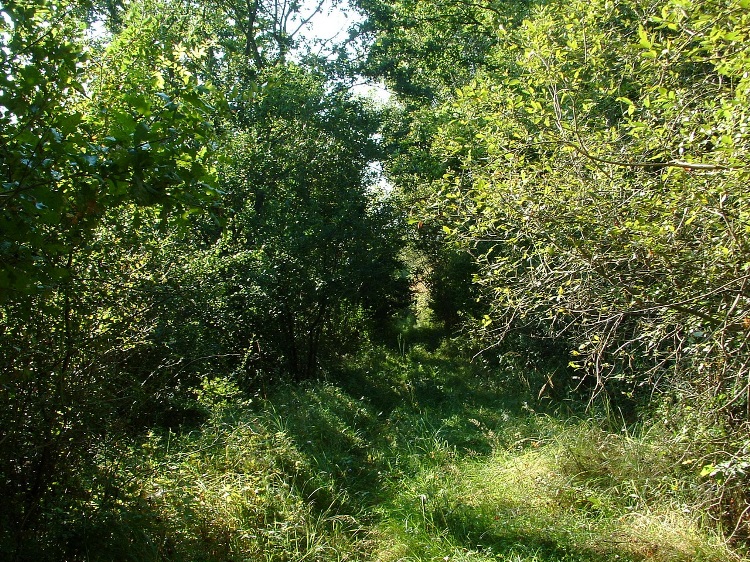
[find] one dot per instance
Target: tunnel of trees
(193, 190)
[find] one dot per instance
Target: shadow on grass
(512, 535)
(334, 433)
(389, 416)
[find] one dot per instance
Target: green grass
(408, 456)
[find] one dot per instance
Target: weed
(411, 456)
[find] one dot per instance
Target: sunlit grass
(521, 507)
(409, 456)
(235, 492)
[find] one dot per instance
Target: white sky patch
(96, 30)
(7, 19)
(332, 23)
(331, 26)
(374, 91)
(379, 183)
(5, 24)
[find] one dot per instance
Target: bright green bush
(595, 164)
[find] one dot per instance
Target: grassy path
(411, 457)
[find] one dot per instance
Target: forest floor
(413, 456)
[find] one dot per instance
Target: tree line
(181, 200)
(592, 159)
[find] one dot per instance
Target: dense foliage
(190, 214)
(176, 205)
(595, 163)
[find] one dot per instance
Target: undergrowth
(401, 456)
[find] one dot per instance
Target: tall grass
(410, 456)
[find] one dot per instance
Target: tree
(426, 49)
(305, 248)
(77, 148)
(599, 175)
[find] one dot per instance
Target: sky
(333, 24)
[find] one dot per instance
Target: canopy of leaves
(176, 202)
(184, 196)
(595, 163)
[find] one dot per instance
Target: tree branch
(696, 166)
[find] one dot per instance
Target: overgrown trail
(417, 456)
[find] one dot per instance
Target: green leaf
(644, 41)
